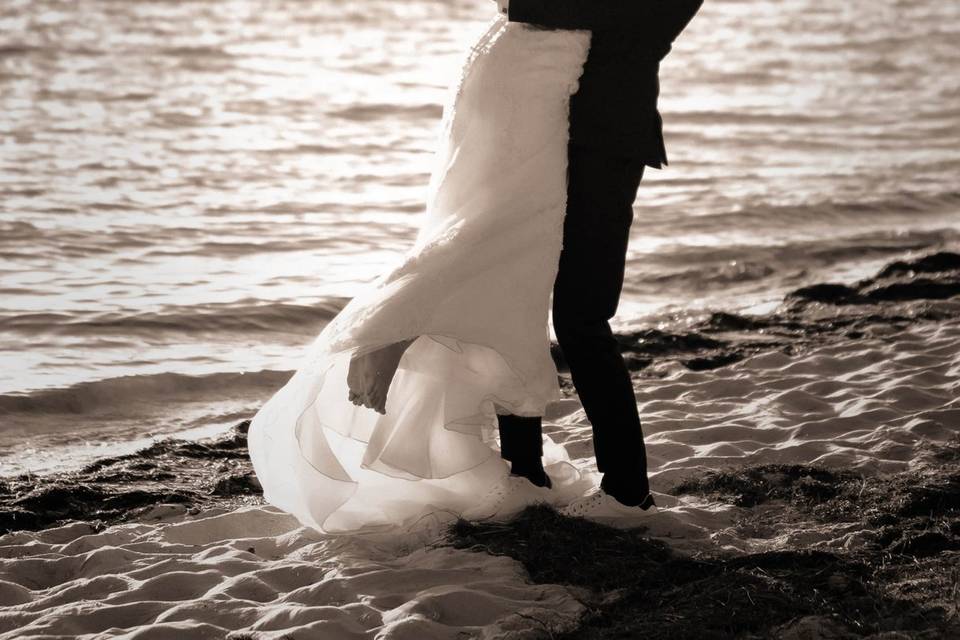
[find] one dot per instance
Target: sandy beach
(807, 464)
(191, 191)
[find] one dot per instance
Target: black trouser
(601, 189)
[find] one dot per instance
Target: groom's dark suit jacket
(615, 107)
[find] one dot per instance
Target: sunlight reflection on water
(157, 157)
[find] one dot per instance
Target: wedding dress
(474, 290)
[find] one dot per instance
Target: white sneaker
(507, 498)
(600, 506)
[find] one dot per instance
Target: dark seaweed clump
(915, 513)
(905, 582)
(188, 474)
(751, 486)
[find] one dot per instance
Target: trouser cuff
(521, 438)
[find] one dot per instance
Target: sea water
(189, 191)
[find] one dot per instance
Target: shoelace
(499, 493)
(587, 504)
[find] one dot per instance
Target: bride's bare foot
(370, 375)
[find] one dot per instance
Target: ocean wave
(126, 394)
(690, 268)
(716, 118)
(240, 239)
(227, 318)
(196, 51)
(366, 112)
(15, 231)
(861, 213)
(12, 50)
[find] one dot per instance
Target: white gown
(475, 287)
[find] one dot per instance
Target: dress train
(473, 292)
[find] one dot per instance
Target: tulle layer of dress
(474, 290)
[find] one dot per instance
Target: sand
(880, 405)
(864, 386)
(254, 571)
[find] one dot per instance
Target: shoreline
(847, 547)
(902, 294)
(65, 428)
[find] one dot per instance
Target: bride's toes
(360, 396)
(375, 397)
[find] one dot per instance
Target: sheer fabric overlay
(474, 290)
